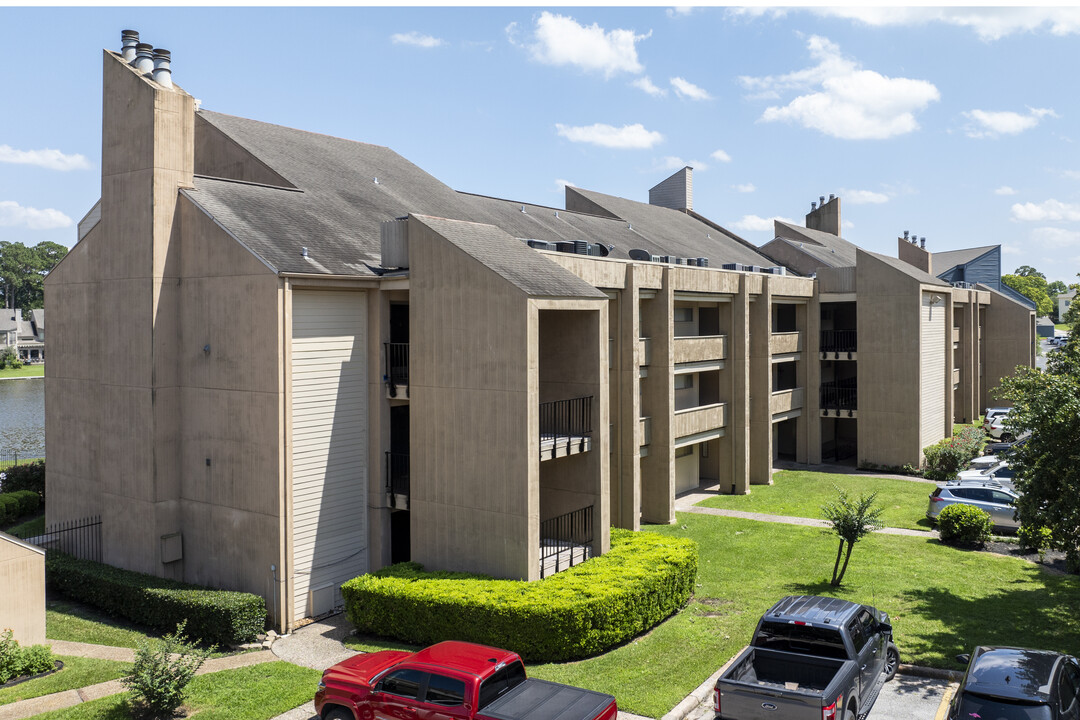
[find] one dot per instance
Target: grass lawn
(4, 464)
(28, 528)
(257, 692)
(801, 494)
(78, 672)
(67, 620)
(943, 601)
(37, 370)
(1063, 326)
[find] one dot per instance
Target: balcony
(837, 342)
(397, 479)
(956, 377)
(644, 351)
(646, 430)
(397, 368)
(783, 343)
(956, 334)
(565, 541)
(783, 401)
(839, 395)
(703, 348)
(565, 427)
(699, 420)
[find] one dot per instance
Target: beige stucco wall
(22, 603)
(1008, 341)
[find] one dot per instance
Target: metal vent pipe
(144, 57)
(162, 69)
(128, 39)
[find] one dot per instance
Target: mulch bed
(1053, 560)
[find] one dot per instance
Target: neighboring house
(23, 334)
(410, 372)
(22, 604)
(1064, 301)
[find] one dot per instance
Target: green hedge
(964, 525)
(13, 505)
(573, 614)
(218, 617)
(25, 476)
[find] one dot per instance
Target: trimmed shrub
(9, 508)
(16, 661)
(222, 617)
(25, 476)
(964, 525)
(1034, 537)
(161, 673)
(948, 457)
(573, 614)
(13, 505)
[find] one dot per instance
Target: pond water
(22, 418)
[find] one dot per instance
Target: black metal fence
(566, 418)
(565, 540)
(397, 365)
(839, 341)
(839, 395)
(15, 457)
(397, 473)
(81, 538)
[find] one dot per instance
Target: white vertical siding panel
(932, 368)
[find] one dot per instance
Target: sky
(957, 125)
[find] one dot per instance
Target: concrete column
(739, 369)
(812, 397)
(658, 397)
(761, 452)
(626, 409)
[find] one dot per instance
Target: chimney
(923, 243)
(825, 216)
(676, 192)
(909, 251)
(128, 39)
(144, 57)
(907, 236)
(162, 70)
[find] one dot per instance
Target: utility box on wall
(172, 547)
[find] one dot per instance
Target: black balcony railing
(397, 366)
(397, 473)
(566, 420)
(838, 341)
(839, 395)
(566, 540)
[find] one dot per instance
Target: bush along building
(323, 360)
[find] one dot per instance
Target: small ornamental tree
(162, 670)
(852, 520)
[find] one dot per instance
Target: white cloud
(416, 39)
(48, 159)
(847, 224)
(863, 197)
(988, 124)
(753, 222)
(671, 163)
(988, 23)
(560, 40)
(1004, 190)
(644, 83)
(720, 156)
(679, 10)
(13, 215)
(1050, 210)
(1071, 174)
(560, 183)
(1052, 237)
(686, 89)
(851, 103)
(1010, 249)
(745, 187)
(634, 136)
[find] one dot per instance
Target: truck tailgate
(543, 700)
(740, 703)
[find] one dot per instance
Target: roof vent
(144, 58)
(906, 236)
(303, 251)
(821, 199)
(375, 180)
(832, 197)
(556, 213)
(638, 254)
(923, 243)
(162, 69)
(813, 206)
(128, 39)
(523, 209)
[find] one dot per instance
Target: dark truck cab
(812, 658)
(450, 681)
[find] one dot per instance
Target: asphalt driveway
(908, 697)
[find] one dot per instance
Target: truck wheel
(338, 713)
(892, 662)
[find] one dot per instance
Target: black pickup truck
(812, 658)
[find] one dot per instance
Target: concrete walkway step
(789, 520)
(68, 698)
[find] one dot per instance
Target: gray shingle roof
(513, 260)
(945, 261)
(825, 247)
(663, 231)
(909, 270)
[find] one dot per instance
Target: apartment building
(330, 361)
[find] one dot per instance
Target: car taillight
(716, 700)
(828, 712)
(936, 499)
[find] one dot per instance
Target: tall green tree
(23, 270)
(1056, 288)
(1028, 271)
(1048, 464)
(1032, 286)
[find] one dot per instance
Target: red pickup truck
(450, 681)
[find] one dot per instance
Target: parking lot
(908, 697)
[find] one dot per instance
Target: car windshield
(985, 708)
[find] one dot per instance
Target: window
(404, 683)
(504, 680)
(1000, 497)
(858, 637)
(1069, 691)
(684, 382)
(445, 691)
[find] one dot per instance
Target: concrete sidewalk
(68, 698)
